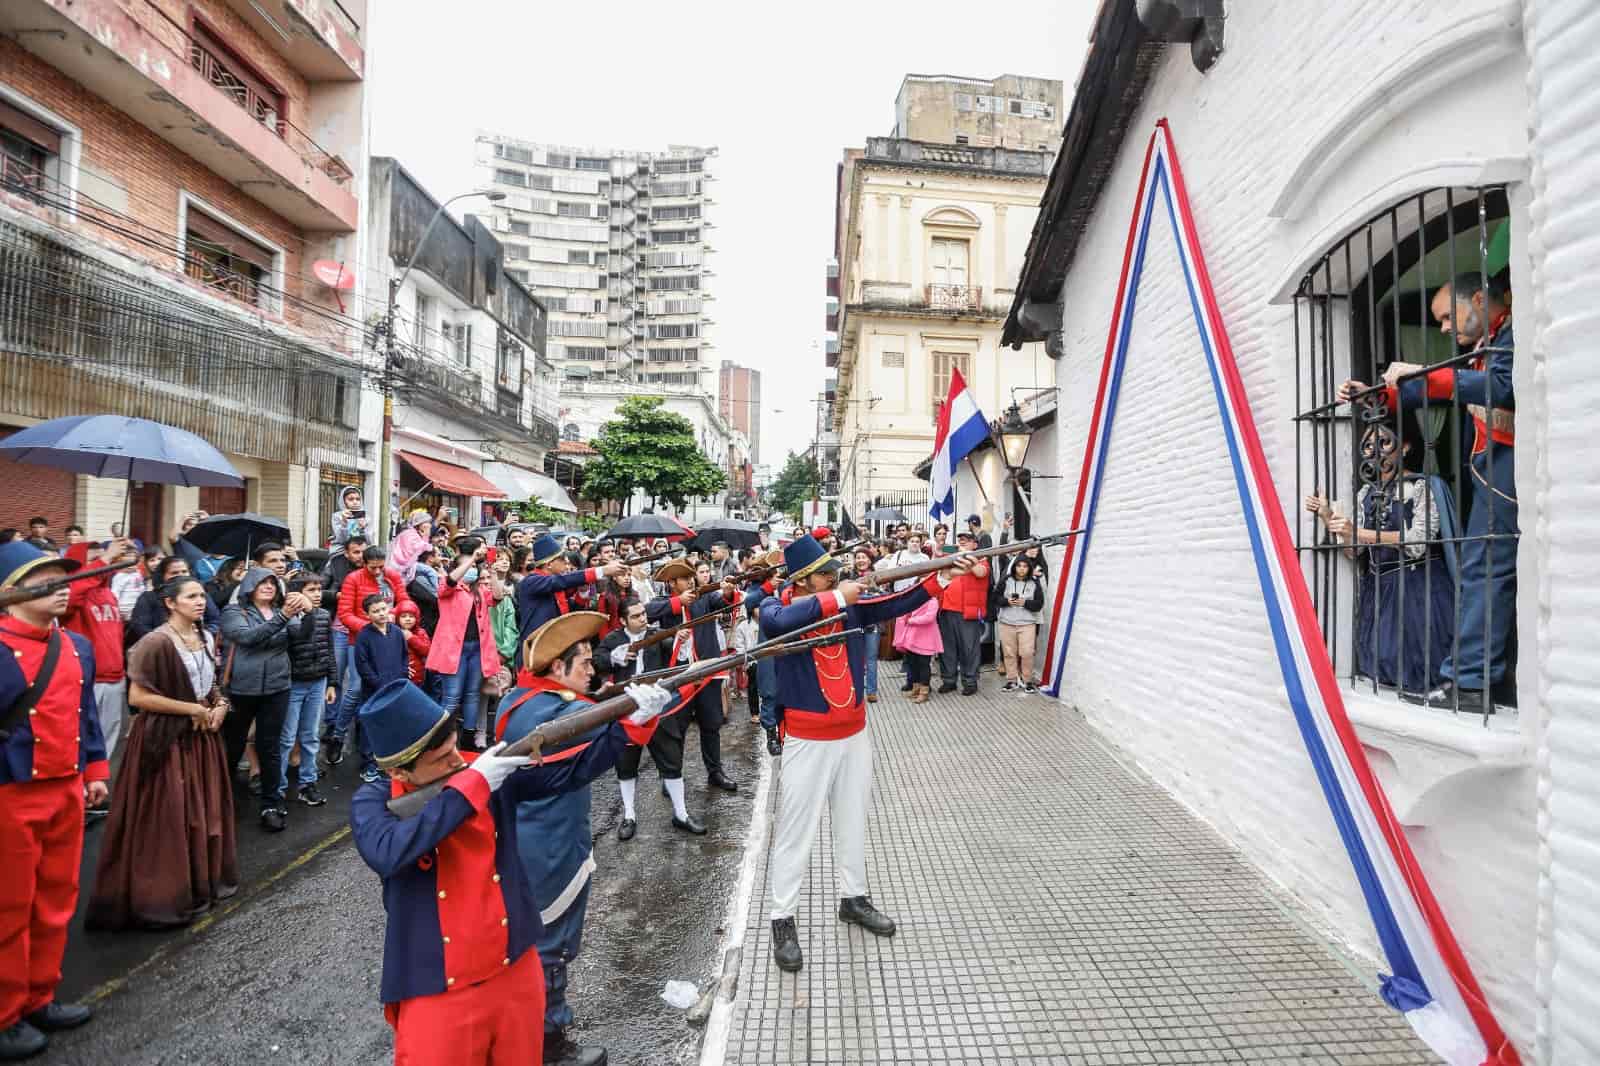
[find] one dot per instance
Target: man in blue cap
(542, 595)
(52, 759)
(460, 986)
(827, 752)
(681, 603)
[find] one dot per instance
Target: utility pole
(391, 358)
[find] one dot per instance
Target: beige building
(930, 237)
(1005, 112)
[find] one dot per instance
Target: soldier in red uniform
(52, 758)
(460, 984)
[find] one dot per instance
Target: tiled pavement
(1054, 906)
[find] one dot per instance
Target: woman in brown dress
(169, 851)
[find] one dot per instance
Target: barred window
(511, 177)
(1407, 516)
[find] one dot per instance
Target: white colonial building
(1343, 160)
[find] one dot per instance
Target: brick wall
(1170, 652)
(31, 490)
(147, 174)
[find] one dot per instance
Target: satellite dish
(334, 275)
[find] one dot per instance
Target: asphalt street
(287, 971)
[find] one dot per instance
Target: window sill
(1429, 761)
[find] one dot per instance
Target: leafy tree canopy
(648, 447)
(796, 483)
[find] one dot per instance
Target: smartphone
(358, 514)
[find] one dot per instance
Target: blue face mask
(471, 575)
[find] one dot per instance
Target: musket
(944, 562)
(761, 651)
(659, 635)
(23, 593)
(603, 713)
(637, 560)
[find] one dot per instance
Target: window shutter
(227, 238)
(30, 129)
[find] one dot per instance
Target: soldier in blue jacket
(827, 752)
(542, 595)
(459, 985)
(553, 830)
(683, 603)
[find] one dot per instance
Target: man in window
(1479, 314)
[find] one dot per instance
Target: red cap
(406, 607)
(821, 531)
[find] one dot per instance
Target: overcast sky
(780, 90)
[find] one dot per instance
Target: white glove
(619, 655)
(652, 700)
(495, 768)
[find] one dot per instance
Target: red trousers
(498, 1022)
(41, 845)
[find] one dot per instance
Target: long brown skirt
(169, 852)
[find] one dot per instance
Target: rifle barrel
(944, 562)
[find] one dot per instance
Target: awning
(520, 483)
(448, 477)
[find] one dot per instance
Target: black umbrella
(885, 514)
(236, 534)
(649, 525)
(733, 532)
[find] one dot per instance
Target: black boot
(786, 946)
(718, 779)
(858, 910)
(21, 1041)
(560, 1050)
(774, 743)
(948, 686)
(54, 1017)
(626, 830)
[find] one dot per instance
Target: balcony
(956, 299)
(161, 76)
(319, 38)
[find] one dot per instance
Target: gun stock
(662, 634)
(569, 727)
(760, 651)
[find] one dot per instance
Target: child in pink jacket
(917, 636)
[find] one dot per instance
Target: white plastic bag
(680, 994)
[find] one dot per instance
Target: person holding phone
(351, 520)
(463, 650)
(1017, 622)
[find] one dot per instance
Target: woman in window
(1403, 545)
(169, 852)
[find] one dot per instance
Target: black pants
(705, 711)
(752, 692)
(268, 713)
(666, 751)
(919, 668)
(963, 644)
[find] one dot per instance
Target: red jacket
(357, 587)
(92, 613)
(417, 644)
(968, 594)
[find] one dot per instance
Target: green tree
(648, 447)
(797, 482)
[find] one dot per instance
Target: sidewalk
(1054, 906)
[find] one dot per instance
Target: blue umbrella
(116, 446)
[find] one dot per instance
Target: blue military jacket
(542, 596)
(553, 832)
(667, 611)
(455, 887)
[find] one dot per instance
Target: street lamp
(390, 356)
(1014, 437)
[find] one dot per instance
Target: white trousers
(112, 699)
(837, 773)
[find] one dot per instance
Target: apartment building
(929, 238)
(739, 402)
(615, 244)
(1005, 112)
(179, 184)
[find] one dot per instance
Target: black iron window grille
(1404, 451)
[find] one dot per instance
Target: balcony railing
(265, 111)
(19, 177)
(955, 297)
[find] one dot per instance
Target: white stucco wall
(1563, 39)
(1324, 114)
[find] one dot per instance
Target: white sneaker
(1009, 686)
(481, 739)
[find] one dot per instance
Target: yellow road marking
(103, 990)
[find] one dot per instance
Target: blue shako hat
(546, 548)
(19, 559)
(400, 722)
(805, 556)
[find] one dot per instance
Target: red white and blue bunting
(1432, 982)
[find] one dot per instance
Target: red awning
(448, 477)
